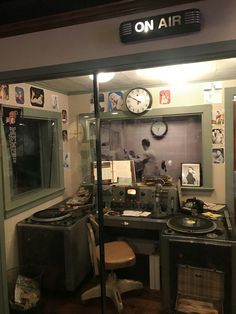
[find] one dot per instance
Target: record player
(198, 243)
(183, 225)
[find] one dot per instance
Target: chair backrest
(93, 236)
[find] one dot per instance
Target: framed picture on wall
(36, 96)
(191, 174)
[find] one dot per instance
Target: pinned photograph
(55, 102)
(4, 92)
(218, 116)
(218, 155)
(190, 174)
(115, 101)
(164, 97)
(19, 95)
(64, 116)
(36, 96)
(217, 136)
(66, 160)
(64, 135)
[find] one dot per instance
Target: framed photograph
(191, 174)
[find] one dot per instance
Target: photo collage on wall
(64, 119)
(218, 134)
(36, 95)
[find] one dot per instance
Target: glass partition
(187, 140)
(32, 160)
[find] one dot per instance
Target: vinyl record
(191, 224)
(50, 214)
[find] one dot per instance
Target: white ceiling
(210, 71)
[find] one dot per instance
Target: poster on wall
(36, 96)
(19, 95)
(55, 102)
(217, 136)
(164, 97)
(64, 135)
(64, 116)
(10, 118)
(115, 101)
(218, 155)
(4, 91)
(218, 116)
(66, 160)
(101, 102)
(212, 93)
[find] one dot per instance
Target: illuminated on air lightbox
(159, 26)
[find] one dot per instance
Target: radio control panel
(160, 202)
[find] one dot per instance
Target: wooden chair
(117, 255)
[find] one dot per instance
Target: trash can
(24, 289)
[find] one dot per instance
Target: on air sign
(162, 25)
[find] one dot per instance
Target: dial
(159, 129)
(138, 100)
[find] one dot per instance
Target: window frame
(30, 199)
(206, 115)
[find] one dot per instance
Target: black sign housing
(161, 25)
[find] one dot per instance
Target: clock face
(138, 100)
(159, 129)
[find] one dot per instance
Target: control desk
(137, 214)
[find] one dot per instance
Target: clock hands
(138, 101)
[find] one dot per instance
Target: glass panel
(33, 152)
(135, 140)
(32, 160)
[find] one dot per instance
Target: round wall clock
(138, 100)
(159, 129)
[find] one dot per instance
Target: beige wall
(101, 39)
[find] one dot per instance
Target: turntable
(56, 238)
(191, 224)
(50, 215)
(196, 241)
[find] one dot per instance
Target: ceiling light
(178, 73)
(103, 77)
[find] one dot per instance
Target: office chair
(117, 255)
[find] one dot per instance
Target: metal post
(99, 193)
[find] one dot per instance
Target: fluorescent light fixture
(178, 73)
(103, 77)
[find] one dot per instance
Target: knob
(125, 223)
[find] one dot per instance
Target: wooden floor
(143, 302)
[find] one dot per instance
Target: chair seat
(118, 254)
